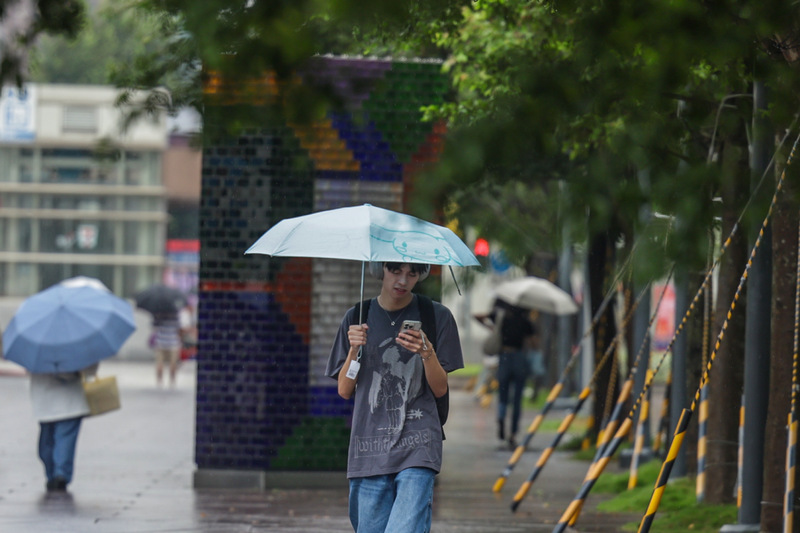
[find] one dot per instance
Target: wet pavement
(134, 473)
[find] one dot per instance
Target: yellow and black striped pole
(791, 465)
(532, 429)
(523, 490)
(609, 445)
(702, 432)
(598, 467)
(551, 398)
(655, 499)
(663, 421)
(577, 503)
(791, 438)
(666, 468)
(525, 487)
(702, 445)
(594, 473)
(740, 457)
(609, 431)
(547, 452)
(624, 395)
(613, 422)
(606, 436)
(586, 442)
(641, 436)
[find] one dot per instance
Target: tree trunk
(727, 376)
(784, 266)
(694, 367)
(601, 261)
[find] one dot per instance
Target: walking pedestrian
(166, 341)
(59, 404)
(518, 335)
(398, 380)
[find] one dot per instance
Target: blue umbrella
(67, 327)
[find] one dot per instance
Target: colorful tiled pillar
(265, 325)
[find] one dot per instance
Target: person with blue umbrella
(59, 404)
(60, 335)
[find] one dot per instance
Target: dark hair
(417, 268)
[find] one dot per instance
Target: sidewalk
(134, 470)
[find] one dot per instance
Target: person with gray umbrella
(518, 335)
(165, 304)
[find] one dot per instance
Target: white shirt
(58, 396)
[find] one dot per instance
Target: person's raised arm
(347, 379)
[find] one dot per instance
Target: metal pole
(757, 336)
(565, 323)
(641, 335)
(679, 401)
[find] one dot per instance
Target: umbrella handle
(361, 307)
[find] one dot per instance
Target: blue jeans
(57, 441)
(393, 503)
(513, 370)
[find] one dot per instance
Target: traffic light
(481, 247)
(481, 250)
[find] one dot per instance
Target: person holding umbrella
(518, 336)
(165, 304)
(60, 335)
(59, 404)
(395, 369)
(167, 340)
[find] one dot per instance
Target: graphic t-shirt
(395, 423)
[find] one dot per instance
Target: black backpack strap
(359, 306)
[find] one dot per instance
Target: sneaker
(58, 484)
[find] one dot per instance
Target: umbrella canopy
(365, 233)
(67, 328)
(161, 300)
(537, 293)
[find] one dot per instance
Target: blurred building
(182, 168)
(77, 195)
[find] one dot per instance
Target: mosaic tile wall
(266, 324)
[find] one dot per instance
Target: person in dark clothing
(518, 336)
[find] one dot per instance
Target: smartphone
(416, 325)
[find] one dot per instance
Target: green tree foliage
(24, 21)
(627, 102)
(111, 38)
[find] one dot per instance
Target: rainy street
(134, 471)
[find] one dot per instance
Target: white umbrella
(537, 293)
(365, 233)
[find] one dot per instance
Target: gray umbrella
(537, 293)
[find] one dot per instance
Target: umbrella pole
(361, 306)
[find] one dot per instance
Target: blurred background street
(135, 466)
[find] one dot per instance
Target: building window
(80, 119)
